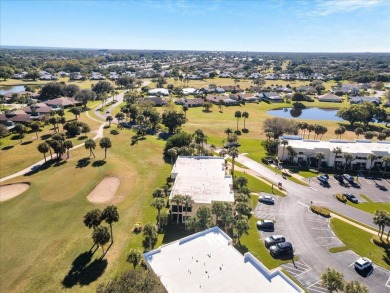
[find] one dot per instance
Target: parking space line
(317, 287)
(387, 182)
(351, 264)
(320, 229)
(387, 283)
(327, 237)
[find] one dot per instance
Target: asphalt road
(295, 221)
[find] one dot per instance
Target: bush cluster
(341, 198)
(320, 211)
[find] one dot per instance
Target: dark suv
(281, 248)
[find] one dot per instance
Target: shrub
(114, 132)
(341, 198)
(320, 211)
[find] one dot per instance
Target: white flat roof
(353, 147)
(203, 178)
(208, 262)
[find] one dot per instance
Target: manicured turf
(370, 207)
(83, 84)
(364, 246)
(256, 185)
(42, 230)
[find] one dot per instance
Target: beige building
(360, 149)
(202, 178)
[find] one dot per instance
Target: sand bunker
(11, 190)
(105, 191)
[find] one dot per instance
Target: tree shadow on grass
(98, 163)
(83, 271)
(59, 163)
(26, 142)
(6, 148)
(82, 137)
(45, 136)
(15, 137)
(84, 162)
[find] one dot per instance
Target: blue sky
(261, 26)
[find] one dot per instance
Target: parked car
(363, 263)
(281, 248)
(265, 225)
(348, 177)
(339, 178)
(322, 178)
(351, 197)
(274, 239)
(266, 199)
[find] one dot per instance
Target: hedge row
(341, 198)
(320, 211)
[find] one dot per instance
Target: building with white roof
(208, 262)
(360, 149)
(202, 178)
(159, 91)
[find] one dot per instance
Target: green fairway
(349, 234)
(42, 230)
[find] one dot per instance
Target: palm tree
(337, 132)
(233, 152)
(386, 160)
(237, 115)
(284, 143)
(120, 116)
(228, 131)
(358, 131)
(372, 157)
(109, 119)
(134, 257)
(291, 152)
(185, 109)
(68, 145)
(227, 216)
(158, 203)
(242, 226)
(310, 128)
(303, 127)
(217, 208)
(110, 215)
(101, 236)
(347, 157)
(178, 200)
(245, 115)
(199, 137)
(105, 143)
(187, 202)
(43, 148)
(355, 287)
(91, 145)
(387, 223)
(20, 129)
(172, 153)
(332, 280)
(35, 127)
(93, 218)
(336, 151)
(220, 105)
(150, 233)
(380, 220)
(319, 156)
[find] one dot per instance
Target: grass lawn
(370, 207)
(42, 231)
(256, 185)
(348, 234)
(366, 197)
(252, 242)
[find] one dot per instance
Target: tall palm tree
(372, 157)
(227, 216)
(336, 151)
(178, 200)
(303, 127)
(105, 143)
(332, 280)
(110, 215)
(68, 145)
(386, 160)
(348, 158)
(93, 218)
(134, 257)
(355, 287)
(187, 202)
(228, 131)
(199, 137)
(150, 232)
(109, 119)
(358, 131)
(310, 128)
(217, 208)
(101, 236)
(237, 115)
(120, 116)
(319, 156)
(284, 143)
(43, 148)
(35, 127)
(380, 220)
(158, 203)
(233, 152)
(245, 115)
(291, 152)
(242, 226)
(387, 223)
(90, 145)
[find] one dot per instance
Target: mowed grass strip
(360, 242)
(370, 207)
(42, 230)
(256, 185)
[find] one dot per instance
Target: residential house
(154, 100)
(159, 91)
(196, 102)
(330, 98)
(37, 109)
(359, 100)
(17, 116)
(248, 98)
(62, 102)
(271, 76)
(272, 97)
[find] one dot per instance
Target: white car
(266, 199)
(348, 177)
(363, 263)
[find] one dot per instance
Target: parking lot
(378, 190)
(268, 211)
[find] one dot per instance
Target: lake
(307, 113)
(15, 89)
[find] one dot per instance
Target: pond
(12, 88)
(307, 113)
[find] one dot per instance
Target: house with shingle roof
(330, 98)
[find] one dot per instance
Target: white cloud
(328, 7)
